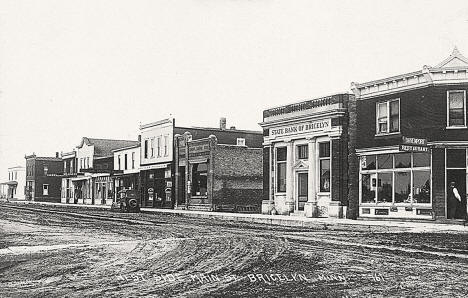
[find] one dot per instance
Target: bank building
(305, 157)
(412, 142)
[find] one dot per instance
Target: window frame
(298, 151)
(44, 189)
(240, 141)
(325, 158)
(277, 188)
(393, 170)
(387, 103)
(448, 110)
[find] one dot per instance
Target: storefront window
(281, 169)
(324, 156)
(421, 159)
(384, 187)
(456, 158)
(384, 161)
(402, 187)
(405, 181)
(199, 179)
(403, 160)
(368, 192)
(421, 187)
(368, 162)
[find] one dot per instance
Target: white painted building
(15, 186)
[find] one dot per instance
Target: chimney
(56, 154)
(139, 138)
(232, 128)
(222, 123)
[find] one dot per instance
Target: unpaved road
(45, 252)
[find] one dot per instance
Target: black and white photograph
(233, 148)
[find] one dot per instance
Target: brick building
(305, 157)
(157, 164)
(43, 178)
(219, 173)
(412, 141)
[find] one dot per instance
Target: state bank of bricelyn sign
(413, 145)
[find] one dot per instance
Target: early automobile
(127, 201)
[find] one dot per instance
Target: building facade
(14, 188)
(43, 178)
(305, 157)
(412, 142)
(69, 172)
(213, 176)
(126, 169)
(93, 184)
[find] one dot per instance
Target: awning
(80, 178)
(10, 183)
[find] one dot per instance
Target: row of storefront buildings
(388, 149)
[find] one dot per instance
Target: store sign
(322, 125)
(199, 148)
(413, 145)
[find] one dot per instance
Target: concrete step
(298, 213)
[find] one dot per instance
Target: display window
(402, 178)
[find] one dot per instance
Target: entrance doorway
(459, 177)
(302, 190)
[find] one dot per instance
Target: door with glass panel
(456, 174)
(302, 190)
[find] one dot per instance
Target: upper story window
(152, 147)
(302, 152)
(119, 162)
(456, 108)
(125, 161)
(159, 146)
(146, 149)
(240, 142)
(166, 143)
(46, 170)
(133, 160)
(388, 116)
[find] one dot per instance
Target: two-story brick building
(412, 141)
(305, 157)
(43, 178)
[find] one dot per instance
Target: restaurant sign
(413, 145)
(322, 125)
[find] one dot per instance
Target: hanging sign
(413, 145)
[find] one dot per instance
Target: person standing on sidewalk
(454, 200)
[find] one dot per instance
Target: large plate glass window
(402, 178)
(199, 179)
(388, 116)
(456, 108)
(281, 169)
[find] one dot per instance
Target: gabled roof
(104, 147)
(456, 59)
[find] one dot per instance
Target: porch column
(310, 207)
(290, 203)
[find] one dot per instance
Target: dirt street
(70, 252)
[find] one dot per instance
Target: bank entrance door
(302, 190)
(456, 173)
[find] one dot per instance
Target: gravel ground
(55, 252)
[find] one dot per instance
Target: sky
(101, 68)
